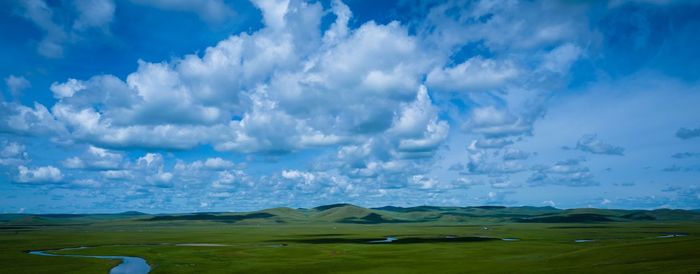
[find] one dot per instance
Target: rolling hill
(352, 214)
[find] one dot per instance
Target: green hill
(348, 213)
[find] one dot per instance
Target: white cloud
(590, 143)
(515, 154)
(491, 143)
(16, 84)
(210, 10)
(466, 182)
(231, 179)
(25, 120)
(67, 89)
(474, 74)
(150, 160)
(93, 13)
(74, 163)
(215, 163)
(493, 122)
(39, 13)
(273, 12)
(570, 172)
(418, 126)
(44, 174)
(506, 26)
(90, 14)
(95, 158)
(12, 153)
(161, 178)
(339, 28)
(357, 93)
(483, 163)
(501, 183)
(117, 174)
(86, 183)
(293, 91)
(306, 177)
(423, 182)
(560, 59)
(218, 163)
(12, 150)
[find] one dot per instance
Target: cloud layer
(451, 105)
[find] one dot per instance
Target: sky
(199, 106)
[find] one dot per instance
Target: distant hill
(210, 217)
(344, 213)
(132, 213)
(570, 218)
(326, 207)
(285, 213)
(340, 212)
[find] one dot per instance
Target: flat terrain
(336, 239)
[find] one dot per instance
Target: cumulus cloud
(495, 123)
(496, 198)
(483, 163)
(216, 163)
(67, 89)
(504, 183)
(423, 182)
(117, 174)
(493, 143)
(337, 97)
(494, 161)
(44, 174)
(39, 13)
(560, 59)
(16, 84)
(93, 13)
(468, 181)
(95, 158)
(86, 183)
(150, 160)
(12, 150)
(160, 178)
(20, 119)
(591, 144)
(197, 84)
(570, 172)
(507, 25)
(57, 29)
(292, 174)
(210, 10)
(475, 74)
(418, 126)
(294, 91)
(516, 154)
(12, 153)
(370, 98)
(228, 183)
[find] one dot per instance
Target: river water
(128, 265)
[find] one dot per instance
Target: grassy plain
(312, 242)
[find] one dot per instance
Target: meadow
(337, 239)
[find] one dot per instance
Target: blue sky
(182, 106)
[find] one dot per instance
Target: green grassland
(335, 239)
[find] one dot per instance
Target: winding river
(128, 265)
